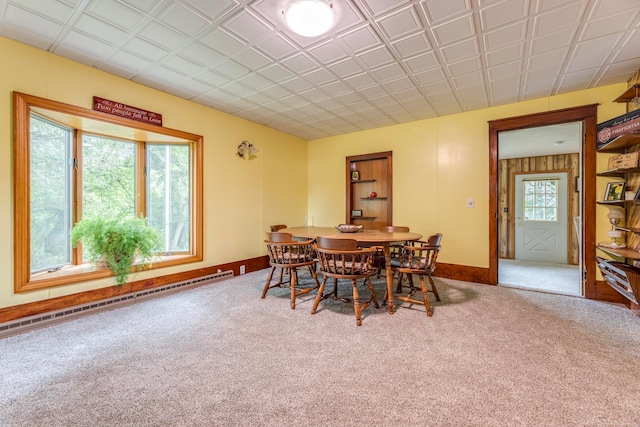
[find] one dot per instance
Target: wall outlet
(470, 202)
(242, 269)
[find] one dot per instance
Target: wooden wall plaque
(124, 110)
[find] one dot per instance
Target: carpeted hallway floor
(546, 277)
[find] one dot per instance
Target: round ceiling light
(309, 18)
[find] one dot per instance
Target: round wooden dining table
(364, 238)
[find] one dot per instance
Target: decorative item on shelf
(355, 213)
(624, 161)
(373, 195)
(247, 150)
(349, 228)
(635, 101)
(629, 195)
(614, 192)
(615, 215)
(355, 176)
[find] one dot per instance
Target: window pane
(550, 214)
(539, 214)
(529, 187)
(50, 184)
(530, 200)
(529, 214)
(108, 177)
(551, 187)
(169, 194)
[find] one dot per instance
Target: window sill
(85, 272)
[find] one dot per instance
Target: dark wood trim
(588, 115)
(462, 272)
(604, 292)
(16, 312)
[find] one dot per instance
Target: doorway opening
(550, 184)
(539, 243)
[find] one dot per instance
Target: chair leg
(267, 285)
(399, 285)
(293, 272)
(433, 286)
(373, 293)
(319, 296)
(356, 302)
(425, 296)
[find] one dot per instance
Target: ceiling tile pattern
(385, 61)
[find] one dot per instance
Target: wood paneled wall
(507, 169)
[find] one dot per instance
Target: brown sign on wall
(124, 110)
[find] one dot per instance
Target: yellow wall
(241, 197)
(437, 164)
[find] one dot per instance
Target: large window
(72, 163)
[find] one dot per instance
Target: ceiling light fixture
(309, 18)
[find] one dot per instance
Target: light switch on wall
(470, 202)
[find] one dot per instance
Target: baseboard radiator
(42, 320)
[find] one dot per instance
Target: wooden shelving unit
(620, 273)
(375, 175)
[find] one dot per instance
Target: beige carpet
(540, 276)
(218, 355)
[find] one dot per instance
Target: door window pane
(540, 200)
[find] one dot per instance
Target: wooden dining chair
(351, 265)
(277, 227)
(394, 248)
(288, 256)
(418, 258)
(333, 243)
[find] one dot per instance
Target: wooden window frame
(82, 119)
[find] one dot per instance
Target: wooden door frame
(587, 114)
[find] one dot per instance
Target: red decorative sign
(124, 110)
(626, 123)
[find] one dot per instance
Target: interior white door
(541, 226)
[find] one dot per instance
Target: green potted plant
(117, 243)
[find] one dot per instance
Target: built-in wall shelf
(361, 181)
(366, 218)
(373, 198)
(629, 94)
(620, 252)
(621, 143)
(620, 172)
(614, 202)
